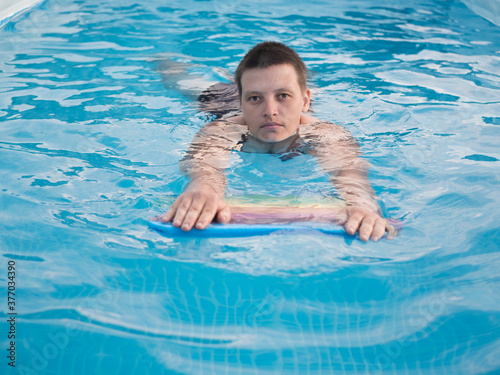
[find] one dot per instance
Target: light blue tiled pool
(90, 141)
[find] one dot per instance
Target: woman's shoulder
(235, 120)
(321, 128)
(225, 124)
(223, 129)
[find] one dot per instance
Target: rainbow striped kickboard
(256, 215)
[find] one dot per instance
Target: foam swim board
(257, 215)
(244, 230)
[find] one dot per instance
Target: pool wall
(488, 9)
(10, 9)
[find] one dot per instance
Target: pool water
(90, 140)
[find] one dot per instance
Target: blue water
(90, 141)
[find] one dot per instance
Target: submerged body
(274, 102)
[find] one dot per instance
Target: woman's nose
(270, 109)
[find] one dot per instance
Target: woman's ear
(307, 101)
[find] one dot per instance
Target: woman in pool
(274, 101)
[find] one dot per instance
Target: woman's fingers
(197, 208)
(224, 214)
(368, 224)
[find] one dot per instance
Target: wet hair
(267, 54)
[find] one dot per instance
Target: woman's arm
(204, 163)
(339, 155)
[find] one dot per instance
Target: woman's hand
(368, 223)
(197, 207)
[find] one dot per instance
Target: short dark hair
(267, 54)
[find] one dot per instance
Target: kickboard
(246, 230)
(258, 215)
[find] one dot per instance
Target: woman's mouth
(271, 126)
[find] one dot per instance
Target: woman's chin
(271, 137)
